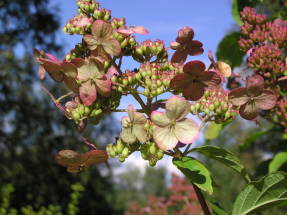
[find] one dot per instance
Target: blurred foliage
(32, 130)
(7, 190)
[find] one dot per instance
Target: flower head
(93, 79)
(253, 97)
(194, 80)
(172, 126)
(102, 38)
(185, 45)
(133, 127)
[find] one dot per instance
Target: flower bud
(125, 152)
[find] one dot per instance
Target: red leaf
(88, 93)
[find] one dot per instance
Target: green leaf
(279, 159)
(213, 130)
(217, 210)
(228, 50)
(270, 191)
(195, 171)
(225, 157)
(236, 12)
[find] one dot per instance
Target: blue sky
(210, 19)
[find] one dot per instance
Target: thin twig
(201, 200)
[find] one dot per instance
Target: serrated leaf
(279, 159)
(195, 171)
(270, 191)
(213, 130)
(236, 12)
(225, 157)
(228, 50)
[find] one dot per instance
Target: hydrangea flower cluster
(96, 82)
(265, 42)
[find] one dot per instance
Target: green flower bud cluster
(121, 150)
(153, 77)
(127, 43)
(149, 49)
(150, 151)
(79, 113)
(216, 105)
(118, 22)
(77, 52)
(78, 25)
(102, 14)
(87, 7)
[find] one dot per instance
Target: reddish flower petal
(94, 157)
(72, 84)
(101, 29)
(179, 56)
(178, 82)
(248, 111)
(210, 79)
(184, 35)
(267, 100)
(112, 46)
(104, 85)
(254, 85)
(194, 48)
(68, 158)
(194, 91)
(88, 93)
(52, 58)
(140, 30)
(78, 62)
(41, 72)
(125, 32)
(69, 69)
(91, 41)
(194, 67)
(238, 96)
(54, 69)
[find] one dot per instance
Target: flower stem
(140, 101)
(201, 200)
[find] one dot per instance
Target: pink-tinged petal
(140, 30)
(238, 96)
(140, 132)
(127, 136)
(72, 84)
(112, 47)
(179, 56)
(41, 72)
(104, 85)
(186, 131)
(194, 67)
(210, 79)
(194, 48)
(160, 119)
(54, 69)
(131, 112)
(112, 72)
(185, 34)
(175, 45)
(69, 69)
(52, 58)
(88, 93)
(177, 108)
(164, 137)
(101, 29)
(125, 32)
(78, 62)
(223, 68)
(178, 82)
(91, 41)
(83, 21)
(249, 111)
(210, 57)
(94, 157)
(267, 100)
(254, 85)
(193, 91)
(139, 118)
(91, 69)
(68, 158)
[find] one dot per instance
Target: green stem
(64, 96)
